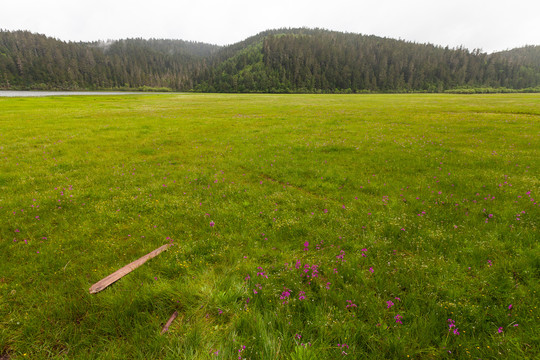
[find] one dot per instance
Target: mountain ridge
(277, 60)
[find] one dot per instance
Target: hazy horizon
(486, 25)
(224, 45)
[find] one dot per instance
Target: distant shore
(33, 93)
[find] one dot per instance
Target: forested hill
(285, 60)
(32, 61)
(525, 56)
(317, 60)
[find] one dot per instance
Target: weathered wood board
(171, 319)
(102, 284)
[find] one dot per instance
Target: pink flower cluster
(350, 305)
(343, 346)
(452, 327)
(285, 295)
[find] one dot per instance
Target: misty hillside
(524, 56)
(35, 61)
(283, 60)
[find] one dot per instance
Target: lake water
(9, 93)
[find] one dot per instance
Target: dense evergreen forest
(285, 60)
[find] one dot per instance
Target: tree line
(280, 61)
(32, 61)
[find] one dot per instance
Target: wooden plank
(102, 284)
(171, 319)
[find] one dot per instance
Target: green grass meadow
(304, 226)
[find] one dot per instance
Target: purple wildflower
(350, 305)
(285, 295)
(452, 327)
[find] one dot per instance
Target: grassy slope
(438, 191)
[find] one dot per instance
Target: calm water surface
(8, 93)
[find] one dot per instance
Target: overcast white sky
(490, 25)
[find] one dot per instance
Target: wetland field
(302, 226)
